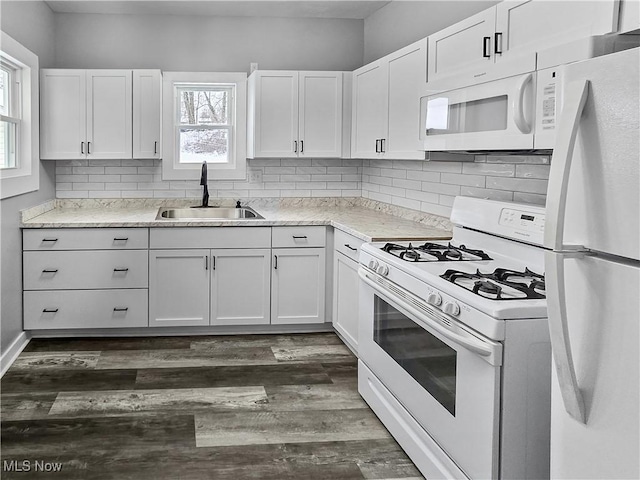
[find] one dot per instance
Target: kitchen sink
(213, 213)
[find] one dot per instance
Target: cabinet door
(369, 109)
(320, 114)
(407, 76)
(63, 114)
(526, 26)
(276, 114)
(298, 285)
(147, 113)
(345, 298)
(178, 288)
(240, 286)
(109, 114)
(458, 50)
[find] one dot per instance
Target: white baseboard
(9, 356)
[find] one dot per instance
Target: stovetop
(434, 252)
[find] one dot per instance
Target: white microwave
(493, 116)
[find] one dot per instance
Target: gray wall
(31, 24)
(403, 22)
(191, 43)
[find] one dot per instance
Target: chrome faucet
(203, 181)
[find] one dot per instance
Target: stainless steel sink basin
(215, 213)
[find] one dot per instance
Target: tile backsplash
(419, 185)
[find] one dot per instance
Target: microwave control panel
(522, 220)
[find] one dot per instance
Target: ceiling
(359, 9)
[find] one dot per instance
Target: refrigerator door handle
(559, 334)
(575, 100)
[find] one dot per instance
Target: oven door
(497, 115)
(444, 375)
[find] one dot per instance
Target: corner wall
(32, 24)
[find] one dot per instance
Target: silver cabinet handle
(301, 146)
(88, 148)
(123, 239)
(295, 146)
(382, 143)
(155, 148)
(82, 148)
(377, 148)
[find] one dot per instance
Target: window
(9, 113)
(19, 171)
(206, 124)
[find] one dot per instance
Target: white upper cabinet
(63, 114)
(147, 114)
(386, 105)
(295, 114)
(524, 26)
(465, 53)
(109, 112)
(90, 114)
(462, 47)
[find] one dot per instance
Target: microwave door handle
(559, 335)
(518, 107)
(467, 341)
(573, 106)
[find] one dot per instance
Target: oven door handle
(467, 340)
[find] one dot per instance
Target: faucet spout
(203, 182)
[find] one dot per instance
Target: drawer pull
(120, 269)
(350, 247)
(121, 239)
(49, 240)
(275, 264)
(298, 237)
(120, 309)
(50, 270)
(50, 310)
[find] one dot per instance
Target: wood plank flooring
(225, 407)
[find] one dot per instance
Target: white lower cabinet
(240, 286)
(199, 287)
(298, 286)
(345, 288)
(178, 288)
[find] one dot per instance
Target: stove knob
(383, 270)
(452, 308)
(434, 299)
(373, 265)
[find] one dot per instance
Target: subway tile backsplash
(419, 185)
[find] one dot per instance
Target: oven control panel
(522, 220)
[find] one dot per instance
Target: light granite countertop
(364, 219)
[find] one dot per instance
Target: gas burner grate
(501, 284)
(433, 252)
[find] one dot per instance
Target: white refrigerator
(592, 268)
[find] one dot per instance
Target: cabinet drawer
(305, 236)
(85, 239)
(85, 309)
(347, 244)
(211, 237)
(85, 269)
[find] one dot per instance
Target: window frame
(24, 177)
(235, 169)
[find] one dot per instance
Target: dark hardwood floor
(226, 407)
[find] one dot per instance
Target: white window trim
(236, 169)
(26, 177)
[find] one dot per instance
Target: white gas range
(454, 345)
